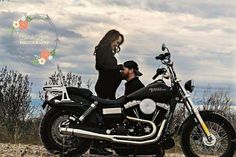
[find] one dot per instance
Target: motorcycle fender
(79, 102)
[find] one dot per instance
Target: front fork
(190, 106)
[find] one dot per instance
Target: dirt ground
(23, 150)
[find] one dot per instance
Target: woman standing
(109, 77)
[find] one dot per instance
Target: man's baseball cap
(132, 65)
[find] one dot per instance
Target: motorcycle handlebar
(155, 76)
(163, 56)
(159, 72)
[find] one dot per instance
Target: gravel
(26, 150)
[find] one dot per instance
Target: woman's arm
(106, 61)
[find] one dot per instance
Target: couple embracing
(111, 73)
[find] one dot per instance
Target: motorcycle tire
(56, 143)
(194, 142)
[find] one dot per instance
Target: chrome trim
(136, 140)
(136, 112)
(135, 103)
(117, 110)
(192, 108)
(163, 106)
(59, 88)
(88, 111)
(155, 115)
(131, 104)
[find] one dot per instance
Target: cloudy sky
(200, 34)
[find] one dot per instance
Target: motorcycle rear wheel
(54, 141)
(194, 142)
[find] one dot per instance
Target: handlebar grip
(159, 72)
(162, 56)
(155, 76)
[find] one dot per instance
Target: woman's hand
(121, 67)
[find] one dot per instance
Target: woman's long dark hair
(109, 37)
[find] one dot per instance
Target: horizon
(201, 40)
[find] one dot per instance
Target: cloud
(205, 9)
(200, 35)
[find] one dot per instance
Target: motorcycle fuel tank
(157, 91)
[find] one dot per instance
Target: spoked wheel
(194, 142)
(65, 141)
(54, 141)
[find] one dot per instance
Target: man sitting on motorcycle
(131, 74)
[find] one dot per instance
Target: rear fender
(80, 104)
(77, 102)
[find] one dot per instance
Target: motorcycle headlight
(189, 86)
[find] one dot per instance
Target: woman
(109, 77)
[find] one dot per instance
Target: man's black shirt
(133, 85)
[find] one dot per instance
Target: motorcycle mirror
(163, 47)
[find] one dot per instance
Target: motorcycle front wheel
(195, 144)
(54, 141)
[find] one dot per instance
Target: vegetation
(15, 108)
(18, 124)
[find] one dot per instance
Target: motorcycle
(136, 124)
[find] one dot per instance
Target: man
(130, 73)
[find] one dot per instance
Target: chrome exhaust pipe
(138, 140)
(88, 134)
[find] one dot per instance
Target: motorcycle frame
(176, 84)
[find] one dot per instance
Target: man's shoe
(100, 151)
(160, 153)
(168, 144)
(234, 140)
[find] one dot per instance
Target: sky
(201, 36)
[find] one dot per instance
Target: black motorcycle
(136, 124)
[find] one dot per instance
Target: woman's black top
(109, 77)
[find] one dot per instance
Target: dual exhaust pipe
(135, 140)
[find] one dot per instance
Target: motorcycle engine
(129, 128)
(146, 109)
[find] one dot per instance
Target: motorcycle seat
(121, 100)
(79, 91)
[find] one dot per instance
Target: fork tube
(190, 106)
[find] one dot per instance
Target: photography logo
(2, 1)
(34, 38)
